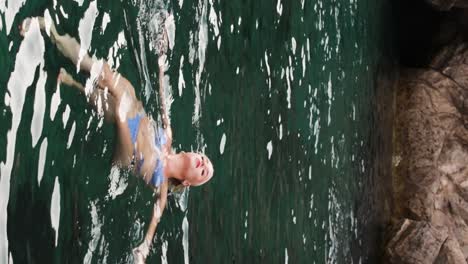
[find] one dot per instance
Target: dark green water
(285, 97)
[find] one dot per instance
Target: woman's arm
(141, 252)
(158, 209)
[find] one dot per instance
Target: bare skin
(119, 103)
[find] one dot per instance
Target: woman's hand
(141, 252)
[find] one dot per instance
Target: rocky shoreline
(430, 155)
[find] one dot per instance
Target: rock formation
(448, 4)
(431, 158)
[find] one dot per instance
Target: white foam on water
(105, 21)
(333, 226)
(71, 135)
(10, 12)
(222, 144)
(192, 50)
(80, 2)
(42, 160)
(185, 239)
(104, 250)
(164, 252)
(286, 257)
(182, 199)
(181, 85)
(55, 209)
(112, 59)
(117, 184)
(213, 18)
(65, 116)
(269, 148)
(30, 55)
(167, 96)
(39, 108)
(181, 2)
(201, 52)
(169, 25)
(95, 234)
(85, 31)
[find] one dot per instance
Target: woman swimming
(140, 144)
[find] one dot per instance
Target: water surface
(284, 97)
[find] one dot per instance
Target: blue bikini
(160, 139)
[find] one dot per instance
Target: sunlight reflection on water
(28, 58)
(276, 97)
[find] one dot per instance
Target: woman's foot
(24, 27)
(65, 78)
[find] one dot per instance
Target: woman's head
(198, 169)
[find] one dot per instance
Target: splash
(164, 253)
(201, 52)
(117, 183)
(95, 233)
(185, 239)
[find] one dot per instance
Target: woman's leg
(67, 45)
(125, 105)
(70, 48)
(102, 101)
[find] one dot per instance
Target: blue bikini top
(160, 139)
(158, 175)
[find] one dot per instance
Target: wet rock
(431, 177)
(450, 252)
(448, 4)
(416, 242)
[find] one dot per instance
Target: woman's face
(199, 169)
